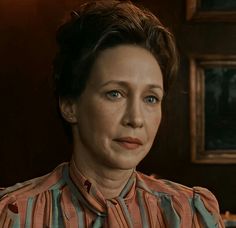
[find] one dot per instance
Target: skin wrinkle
(107, 164)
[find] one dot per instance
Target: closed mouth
(129, 142)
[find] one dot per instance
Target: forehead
(126, 63)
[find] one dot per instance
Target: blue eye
(113, 95)
(151, 100)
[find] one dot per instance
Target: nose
(133, 116)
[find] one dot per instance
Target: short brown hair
(98, 25)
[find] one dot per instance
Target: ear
(68, 110)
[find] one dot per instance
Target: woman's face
(119, 112)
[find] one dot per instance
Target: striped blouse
(65, 198)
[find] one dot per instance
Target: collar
(91, 197)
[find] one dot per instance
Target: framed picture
(211, 10)
(213, 109)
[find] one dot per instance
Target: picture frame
(211, 10)
(213, 109)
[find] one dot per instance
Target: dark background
(32, 140)
(220, 108)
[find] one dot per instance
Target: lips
(129, 142)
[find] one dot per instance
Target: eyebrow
(123, 83)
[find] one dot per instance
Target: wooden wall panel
(31, 138)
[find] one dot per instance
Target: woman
(114, 66)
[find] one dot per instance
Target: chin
(125, 164)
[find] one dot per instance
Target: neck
(108, 181)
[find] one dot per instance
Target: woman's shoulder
(23, 191)
(171, 188)
(16, 201)
(197, 203)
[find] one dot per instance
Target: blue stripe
(208, 219)
(56, 209)
(170, 214)
(16, 223)
(79, 212)
(128, 186)
(29, 211)
(143, 212)
(125, 209)
(98, 222)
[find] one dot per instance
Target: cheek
(100, 118)
(107, 113)
(154, 123)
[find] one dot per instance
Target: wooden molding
(194, 13)
(197, 110)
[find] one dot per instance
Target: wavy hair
(98, 25)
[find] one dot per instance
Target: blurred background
(32, 139)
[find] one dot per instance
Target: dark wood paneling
(31, 138)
